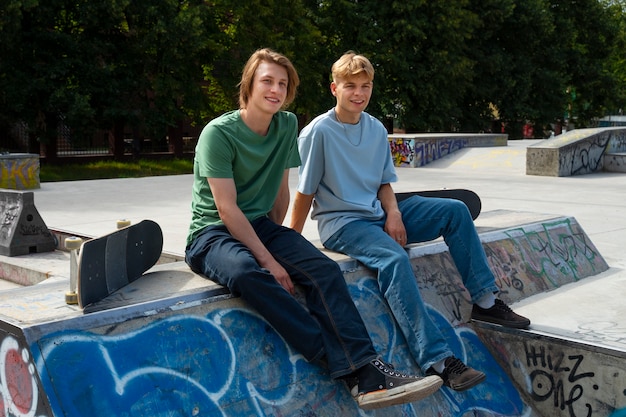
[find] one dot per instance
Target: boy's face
(269, 88)
(353, 94)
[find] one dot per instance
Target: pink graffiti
(18, 385)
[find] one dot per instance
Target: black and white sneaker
(378, 385)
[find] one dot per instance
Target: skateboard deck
(112, 261)
(470, 198)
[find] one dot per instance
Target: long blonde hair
(247, 76)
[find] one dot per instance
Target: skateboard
(470, 198)
(109, 262)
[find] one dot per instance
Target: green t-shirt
(227, 148)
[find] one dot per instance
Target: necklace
(345, 131)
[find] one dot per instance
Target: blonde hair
(272, 57)
(351, 64)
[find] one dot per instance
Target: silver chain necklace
(345, 131)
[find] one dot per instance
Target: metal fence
(101, 143)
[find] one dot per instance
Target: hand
(282, 277)
(394, 227)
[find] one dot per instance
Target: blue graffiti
(231, 362)
(496, 394)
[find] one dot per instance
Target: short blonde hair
(351, 64)
(247, 76)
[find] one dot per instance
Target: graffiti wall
(19, 171)
(222, 359)
(418, 149)
(525, 260)
(562, 379)
(20, 391)
(574, 153)
(584, 157)
(416, 153)
(217, 357)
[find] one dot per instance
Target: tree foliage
(440, 66)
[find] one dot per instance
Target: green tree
(418, 49)
(593, 32)
(104, 64)
(286, 27)
(533, 77)
(616, 64)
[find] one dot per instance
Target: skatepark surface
(498, 174)
(591, 309)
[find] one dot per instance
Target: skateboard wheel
(73, 243)
(71, 298)
(123, 223)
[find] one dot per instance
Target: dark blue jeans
(332, 326)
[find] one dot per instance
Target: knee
(459, 210)
(399, 257)
(244, 274)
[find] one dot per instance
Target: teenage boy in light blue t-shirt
(346, 174)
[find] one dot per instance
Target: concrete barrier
(418, 149)
(19, 171)
(577, 152)
(560, 376)
(22, 230)
(173, 343)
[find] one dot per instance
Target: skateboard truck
(73, 245)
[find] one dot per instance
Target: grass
(114, 169)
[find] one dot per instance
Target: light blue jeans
(425, 219)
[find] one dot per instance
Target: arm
(281, 204)
(225, 195)
(300, 211)
(394, 226)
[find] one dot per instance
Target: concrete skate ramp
(580, 151)
(174, 344)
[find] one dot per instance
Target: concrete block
(19, 171)
(577, 152)
(418, 149)
(22, 230)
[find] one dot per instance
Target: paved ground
(497, 174)
(592, 309)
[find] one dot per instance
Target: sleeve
(389, 170)
(311, 147)
(293, 160)
(214, 154)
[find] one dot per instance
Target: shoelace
(500, 305)
(456, 367)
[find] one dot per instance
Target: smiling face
(353, 94)
(269, 88)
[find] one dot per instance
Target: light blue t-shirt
(344, 165)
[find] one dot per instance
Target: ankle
(486, 301)
(439, 366)
(370, 379)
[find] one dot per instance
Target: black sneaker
(500, 314)
(378, 385)
(457, 375)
